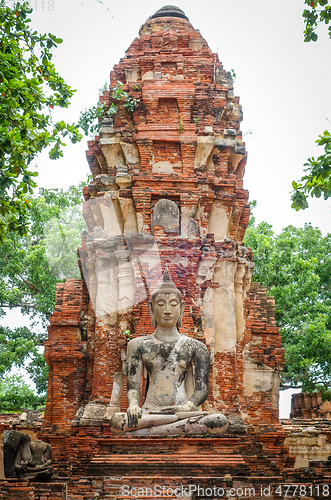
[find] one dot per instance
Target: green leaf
(295, 267)
(29, 83)
(317, 180)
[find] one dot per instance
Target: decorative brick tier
(172, 487)
(13, 489)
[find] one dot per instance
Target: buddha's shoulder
(195, 345)
(139, 341)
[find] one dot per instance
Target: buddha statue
(26, 459)
(178, 374)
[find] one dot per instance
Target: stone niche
(165, 213)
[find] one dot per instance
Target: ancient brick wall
(65, 353)
(13, 489)
(305, 405)
(167, 190)
(309, 440)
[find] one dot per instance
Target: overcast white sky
(283, 83)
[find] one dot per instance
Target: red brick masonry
(184, 145)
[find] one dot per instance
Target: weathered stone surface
(166, 215)
(178, 375)
(24, 458)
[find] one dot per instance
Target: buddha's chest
(164, 357)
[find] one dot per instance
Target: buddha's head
(166, 306)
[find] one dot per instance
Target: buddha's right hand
(134, 413)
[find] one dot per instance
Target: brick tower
(167, 189)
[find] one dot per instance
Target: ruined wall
(305, 406)
(65, 353)
(263, 356)
(167, 189)
(309, 440)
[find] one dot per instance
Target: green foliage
(128, 334)
(20, 348)
(317, 181)
(295, 266)
(15, 394)
(63, 236)
(38, 372)
(29, 88)
(16, 345)
(90, 119)
(118, 94)
(180, 125)
(26, 279)
(319, 12)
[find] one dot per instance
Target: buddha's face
(167, 309)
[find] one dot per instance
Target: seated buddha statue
(178, 375)
(26, 459)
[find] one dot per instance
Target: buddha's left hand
(188, 406)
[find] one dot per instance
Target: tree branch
(30, 285)
(284, 387)
(31, 306)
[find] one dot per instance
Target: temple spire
(170, 11)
